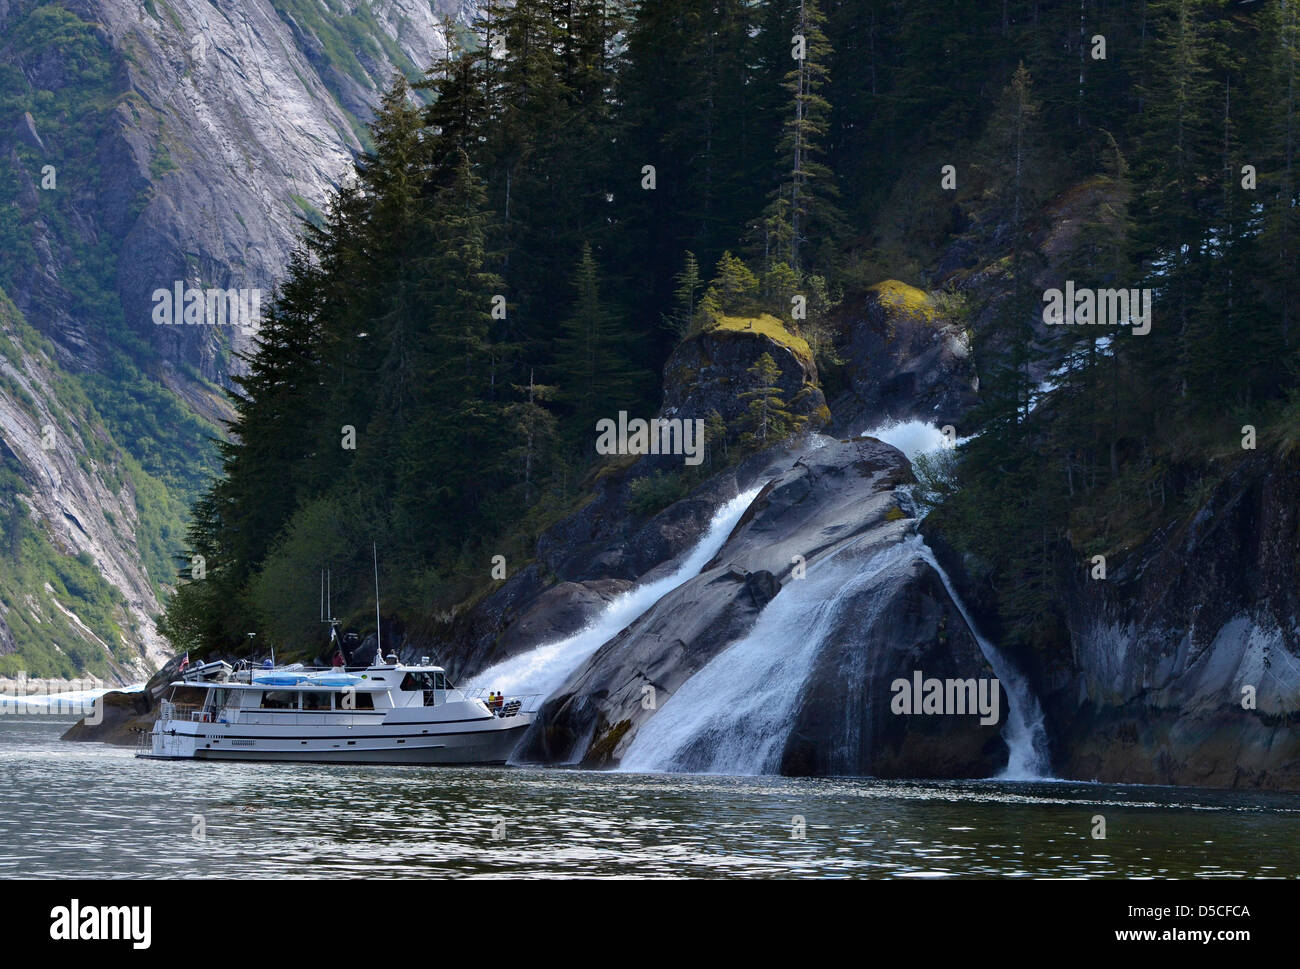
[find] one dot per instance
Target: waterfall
(1024, 732)
(911, 437)
(544, 668)
(734, 715)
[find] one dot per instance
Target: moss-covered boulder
(907, 357)
(711, 372)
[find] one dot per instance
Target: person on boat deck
(497, 700)
(338, 659)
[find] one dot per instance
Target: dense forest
(582, 184)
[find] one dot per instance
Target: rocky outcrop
(905, 359)
(902, 623)
(709, 372)
(834, 500)
(1185, 661)
(120, 718)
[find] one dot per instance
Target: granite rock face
(901, 624)
(1185, 662)
(232, 123)
(833, 507)
(219, 128)
(906, 360)
(81, 501)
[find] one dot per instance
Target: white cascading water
(911, 437)
(544, 668)
(1025, 733)
(735, 714)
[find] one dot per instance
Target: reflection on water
(88, 810)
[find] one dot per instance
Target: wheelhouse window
(356, 700)
(316, 700)
(425, 681)
(279, 700)
(428, 683)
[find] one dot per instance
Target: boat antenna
(379, 632)
(327, 607)
(326, 597)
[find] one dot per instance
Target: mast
(379, 632)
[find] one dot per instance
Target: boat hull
(491, 743)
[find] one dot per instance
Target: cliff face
(1184, 665)
(74, 594)
(221, 128)
(146, 143)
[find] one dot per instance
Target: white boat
(382, 714)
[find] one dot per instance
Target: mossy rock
(769, 326)
(602, 750)
(906, 299)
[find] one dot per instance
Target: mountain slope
(74, 593)
(144, 144)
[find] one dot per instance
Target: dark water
(89, 810)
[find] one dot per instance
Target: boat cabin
(247, 696)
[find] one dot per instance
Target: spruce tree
(592, 370)
(768, 418)
(805, 196)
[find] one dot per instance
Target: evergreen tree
(1176, 151)
(686, 298)
(459, 413)
(594, 376)
(1012, 166)
(733, 290)
(536, 430)
(768, 418)
(804, 199)
(1275, 117)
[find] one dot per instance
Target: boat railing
(169, 710)
(512, 704)
(247, 674)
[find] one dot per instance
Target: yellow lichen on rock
(906, 299)
(770, 327)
